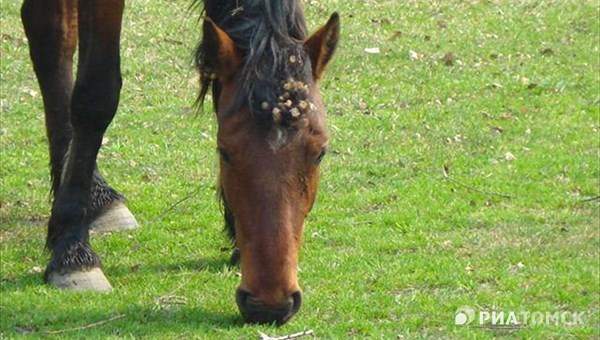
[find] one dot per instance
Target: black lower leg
(68, 236)
(68, 240)
(68, 228)
(102, 195)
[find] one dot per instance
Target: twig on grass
(91, 325)
(308, 332)
(468, 187)
(185, 198)
(597, 198)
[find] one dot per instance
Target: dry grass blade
(91, 325)
(185, 198)
(468, 187)
(597, 198)
(172, 299)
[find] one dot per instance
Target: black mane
(269, 35)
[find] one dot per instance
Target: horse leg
(51, 28)
(95, 98)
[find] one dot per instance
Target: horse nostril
(297, 302)
(241, 298)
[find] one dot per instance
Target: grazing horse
(262, 68)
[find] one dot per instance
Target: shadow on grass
(209, 264)
(140, 317)
(20, 282)
(138, 321)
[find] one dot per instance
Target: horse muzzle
(255, 312)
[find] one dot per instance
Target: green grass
(393, 246)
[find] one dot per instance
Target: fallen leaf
(34, 270)
(33, 93)
(509, 156)
(524, 81)
(362, 105)
(372, 50)
(516, 268)
(412, 55)
(4, 105)
(448, 59)
(382, 21)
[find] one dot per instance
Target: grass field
(464, 171)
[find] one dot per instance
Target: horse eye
(224, 155)
(321, 155)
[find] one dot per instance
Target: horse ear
(227, 59)
(321, 45)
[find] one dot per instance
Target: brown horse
(263, 71)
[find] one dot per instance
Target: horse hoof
(90, 280)
(115, 218)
